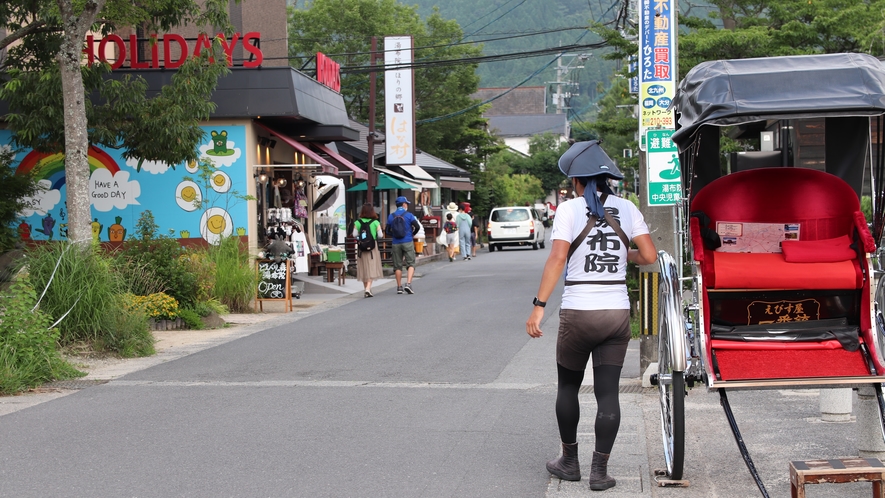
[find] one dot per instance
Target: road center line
(325, 383)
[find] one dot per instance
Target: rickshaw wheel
(880, 320)
(671, 368)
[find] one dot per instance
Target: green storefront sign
(664, 172)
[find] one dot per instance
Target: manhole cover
(74, 384)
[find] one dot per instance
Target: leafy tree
(343, 30)
(740, 29)
(48, 88)
(544, 153)
(14, 191)
(616, 127)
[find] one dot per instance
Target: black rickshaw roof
(729, 92)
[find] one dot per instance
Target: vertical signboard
(657, 66)
(664, 172)
(399, 100)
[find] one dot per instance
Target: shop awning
(384, 183)
(416, 184)
(418, 173)
(304, 149)
(455, 183)
(358, 173)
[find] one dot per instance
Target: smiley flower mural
(121, 190)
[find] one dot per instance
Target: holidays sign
(664, 172)
(657, 66)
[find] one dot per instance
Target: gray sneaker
(408, 288)
(399, 289)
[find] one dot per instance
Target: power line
(518, 34)
(362, 69)
(497, 18)
(486, 14)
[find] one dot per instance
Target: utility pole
(561, 72)
(370, 181)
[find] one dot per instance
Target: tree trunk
(76, 135)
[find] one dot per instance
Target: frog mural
(219, 144)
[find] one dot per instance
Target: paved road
(438, 394)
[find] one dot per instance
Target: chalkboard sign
(274, 282)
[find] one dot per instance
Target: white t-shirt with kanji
(602, 257)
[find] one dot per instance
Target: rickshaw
(780, 264)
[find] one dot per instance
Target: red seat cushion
(772, 271)
(818, 251)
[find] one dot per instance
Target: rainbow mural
(52, 166)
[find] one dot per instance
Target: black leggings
(608, 411)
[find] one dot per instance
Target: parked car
(515, 226)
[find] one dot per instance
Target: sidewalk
(778, 426)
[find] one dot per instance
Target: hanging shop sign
(168, 51)
(657, 66)
(399, 100)
(328, 72)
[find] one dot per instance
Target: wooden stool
(837, 471)
(330, 272)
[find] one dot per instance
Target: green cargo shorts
(400, 252)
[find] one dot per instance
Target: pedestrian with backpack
(402, 226)
(451, 230)
(367, 230)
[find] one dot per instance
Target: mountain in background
(507, 24)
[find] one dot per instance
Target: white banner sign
(399, 100)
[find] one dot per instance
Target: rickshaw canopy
(730, 92)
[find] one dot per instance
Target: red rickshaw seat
(825, 207)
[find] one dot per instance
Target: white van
(515, 226)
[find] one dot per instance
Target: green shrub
(137, 277)
(28, 353)
(204, 308)
(79, 285)
(127, 333)
(163, 257)
(197, 262)
(235, 277)
(192, 319)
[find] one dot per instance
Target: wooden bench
(385, 247)
(837, 471)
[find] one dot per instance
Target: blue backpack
(398, 227)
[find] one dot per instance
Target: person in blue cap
(402, 227)
(591, 241)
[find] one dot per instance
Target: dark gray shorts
(602, 333)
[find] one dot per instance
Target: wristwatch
(538, 302)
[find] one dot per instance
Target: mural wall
(186, 202)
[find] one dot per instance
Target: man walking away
(465, 227)
(402, 226)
